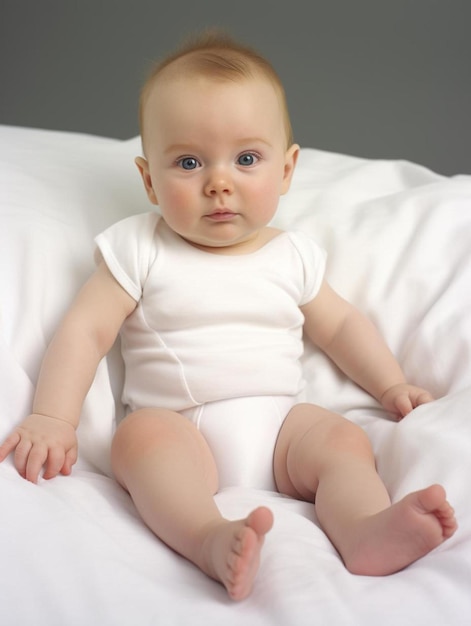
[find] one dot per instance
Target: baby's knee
(345, 436)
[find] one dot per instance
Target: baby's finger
(423, 398)
(20, 457)
(54, 463)
(36, 459)
(70, 460)
(403, 405)
(9, 445)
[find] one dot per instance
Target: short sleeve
(129, 249)
(313, 259)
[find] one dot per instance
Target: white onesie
(210, 327)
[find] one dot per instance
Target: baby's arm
(47, 436)
(352, 341)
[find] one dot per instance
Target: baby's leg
(323, 457)
(167, 467)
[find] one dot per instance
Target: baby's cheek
(176, 201)
(267, 200)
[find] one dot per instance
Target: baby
(211, 303)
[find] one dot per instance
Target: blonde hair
(216, 55)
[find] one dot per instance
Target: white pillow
(58, 190)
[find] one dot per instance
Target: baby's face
(216, 158)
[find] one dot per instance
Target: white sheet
(74, 551)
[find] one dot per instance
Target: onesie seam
(176, 359)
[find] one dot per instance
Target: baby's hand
(42, 441)
(403, 398)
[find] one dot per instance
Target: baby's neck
(257, 241)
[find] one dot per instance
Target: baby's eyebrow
(252, 140)
(179, 147)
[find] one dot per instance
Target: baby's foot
(231, 552)
(403, 533)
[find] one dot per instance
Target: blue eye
(247, 159)
(188, 163)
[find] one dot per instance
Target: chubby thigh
(242, 435)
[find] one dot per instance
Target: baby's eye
(247, 159)
(188, 163)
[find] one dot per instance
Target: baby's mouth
(221, 215)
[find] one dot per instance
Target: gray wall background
(373, 78)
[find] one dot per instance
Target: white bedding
(74, 551)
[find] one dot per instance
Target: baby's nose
(219, 181)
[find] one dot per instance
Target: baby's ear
(143, 167)
(291, 158)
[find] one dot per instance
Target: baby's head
(214, 56)
(217, 142)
